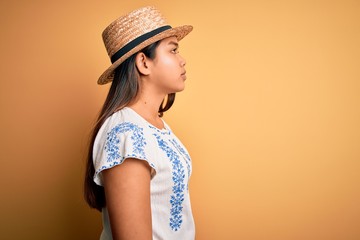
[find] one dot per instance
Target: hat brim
(178, 32)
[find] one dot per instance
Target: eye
(175, 50)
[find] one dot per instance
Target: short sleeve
(115, 144)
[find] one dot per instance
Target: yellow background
(270, 115)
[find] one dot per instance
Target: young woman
(137, 170)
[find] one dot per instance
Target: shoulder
(120, 128)
(122, 122)
(123, 117)
(121, 136)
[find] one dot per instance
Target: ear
(142, 63)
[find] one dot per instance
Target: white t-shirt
(125, 134)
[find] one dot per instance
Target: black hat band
(136, 42)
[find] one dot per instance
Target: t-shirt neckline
(163, 130)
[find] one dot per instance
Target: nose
(182, 61)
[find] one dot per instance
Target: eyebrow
(173, 43)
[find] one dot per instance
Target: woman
(137, 170)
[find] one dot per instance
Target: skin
(159, 77)
(127, 186)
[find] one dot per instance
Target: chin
(176, 89)
(180, 89)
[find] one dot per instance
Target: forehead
(169, 41)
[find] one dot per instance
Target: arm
(127, 191)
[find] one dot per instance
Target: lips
(183, 75)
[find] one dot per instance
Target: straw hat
(134, 31)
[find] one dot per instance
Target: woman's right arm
(127, 192)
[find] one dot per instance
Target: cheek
(168, 61)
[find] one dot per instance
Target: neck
(148, 107)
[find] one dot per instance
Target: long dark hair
(124, 88)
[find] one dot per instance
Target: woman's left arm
(127, 192)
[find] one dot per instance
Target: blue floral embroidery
(187, 158)
(113, 141)
(178, 177)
